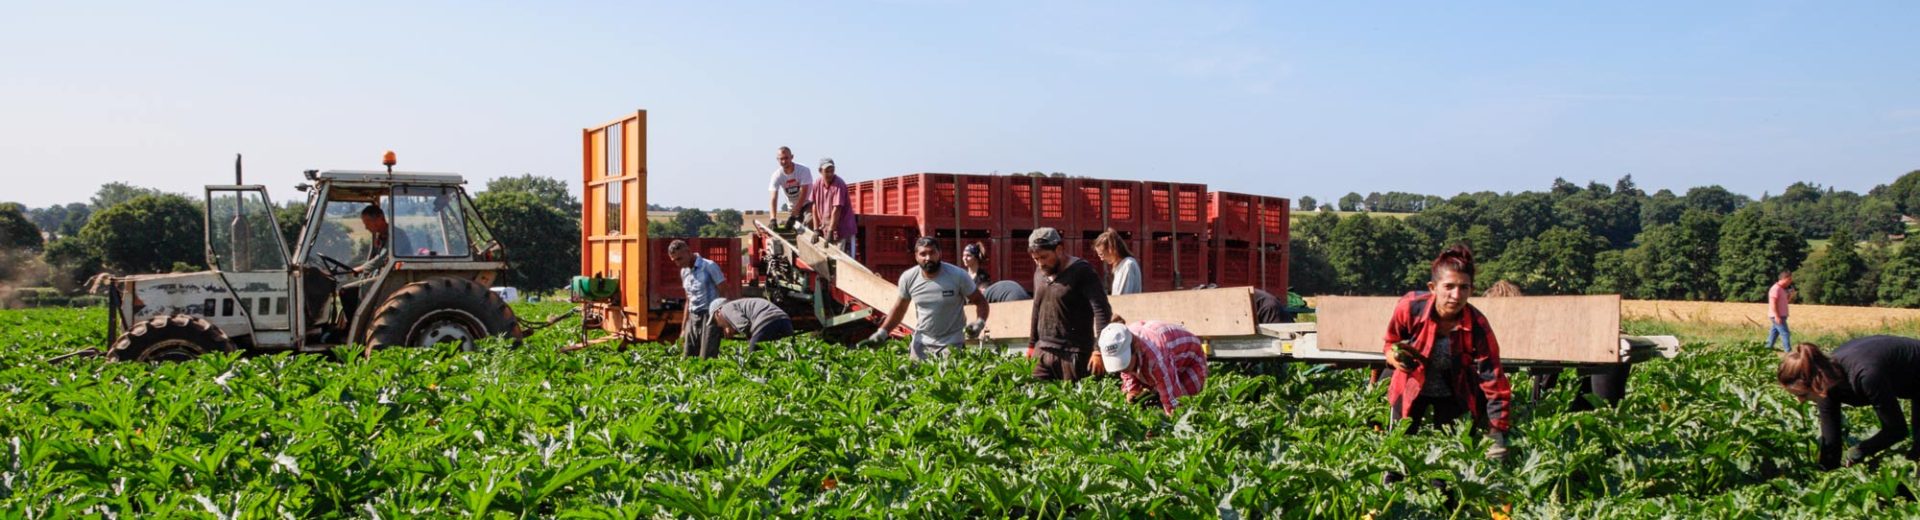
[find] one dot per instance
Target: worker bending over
(1152, 355)
(939, 292)
(1876, 371)
(756, 319)
(1446, 362)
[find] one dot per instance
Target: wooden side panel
(1581, 329)
(1206, 313)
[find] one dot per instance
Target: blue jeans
(1779, 331)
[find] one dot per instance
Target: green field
(809, 429)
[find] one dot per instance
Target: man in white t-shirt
(939, 292)
(792, 179)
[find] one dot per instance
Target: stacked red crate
(1014, 262)
(1018, 194)
(1173, 207)
(865, 198)
(1272, 266)
(1175, 262)
(1055, 206)
(664, 277)
(1234, 265)
(887, 239)
(1230, 217)
(1104, 204)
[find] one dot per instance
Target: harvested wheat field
(1827, 318)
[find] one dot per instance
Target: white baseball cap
(1116, 347)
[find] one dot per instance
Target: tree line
(1706, 244)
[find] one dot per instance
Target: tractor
(383, 259)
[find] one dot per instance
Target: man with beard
(938, 291)
(1069, 304)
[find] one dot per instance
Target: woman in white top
(1126, 270)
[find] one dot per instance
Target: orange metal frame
(618, 250)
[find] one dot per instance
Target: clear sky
(1289, 99)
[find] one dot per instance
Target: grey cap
(825, 162)
(1044, 237)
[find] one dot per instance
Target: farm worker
(974, 258)
(1445, 359)
(1152, 355)
(1006, 291)
(1069, 304)
(757, 319)
(1268, 309)
(938, 292)
(701, 278)
(833, 208)
(1876, 371)
(793, 180)
(377, 250)
(1126, 270)
(1777, 298)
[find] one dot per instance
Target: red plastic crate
(1021, 200)
(1234, 266)
(946, 201)
(1014, 262)
(891, 197)
(1106, 204)
(664, 277)
(1274, 276)
(1230, 217)
(887, 239)
(865, 199)
(1159, 268)
(1173, 207)
(1056, 207)
(1272, 220)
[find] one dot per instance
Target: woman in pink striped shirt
(1152, 355)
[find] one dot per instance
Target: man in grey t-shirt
(939, 292)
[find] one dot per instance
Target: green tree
(114, 193)
(291, 218)
(1613, 273)
(1317, 230)
(1715, 199)
(1663, 207)
(665, 229)
(1352, 202)
(726, 223)
(1559, 261)
(1308, 271)
(1675, 261)
(1832, 276)
(541, 240)
(1307, 203)
(691, 221)
(16, 230)
(550, 191)
(1754, 248)
(1900, 279)
(1904, 193)
(1371, 255)
(70, 262)
(147, 234)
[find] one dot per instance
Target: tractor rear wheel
(179, 337)
(441, 310)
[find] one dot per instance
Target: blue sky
(1274, 98)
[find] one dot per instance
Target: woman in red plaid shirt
(1446, 362)
(1152, 355)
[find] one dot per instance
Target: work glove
(1498, 451)
(1854, 456)
(974, 329)
(879, 336)
(1029, 350)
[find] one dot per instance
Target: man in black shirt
(1069, 304)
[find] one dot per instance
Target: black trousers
(1432, 412)
(697, 337)
(771, 331)
(1052, 363)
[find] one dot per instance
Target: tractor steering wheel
(334, 267)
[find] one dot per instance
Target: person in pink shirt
(1777, 298)
(833, 208)
(1152, 355)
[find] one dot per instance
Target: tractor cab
(382, 258)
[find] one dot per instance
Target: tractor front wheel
(441, 310)
(179, 337)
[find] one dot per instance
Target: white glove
(974, 329)
(879, 336)
(1498, 450)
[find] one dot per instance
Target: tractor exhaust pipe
(236, 171)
